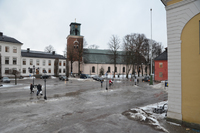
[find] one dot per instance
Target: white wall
(177, 16)
(87, 69)
(11, 55)
(41, 66)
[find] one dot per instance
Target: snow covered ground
(146, 116)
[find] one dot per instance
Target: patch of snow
(9, 85)
(174, 124)
(145, 114)
(158, 86)
(53, 77)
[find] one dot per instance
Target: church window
(108, 69)
(123, 69)
(93, 69)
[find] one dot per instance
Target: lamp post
(45, 97)
(142, 69)
(151, 79)
(106, 80)
(32, 70)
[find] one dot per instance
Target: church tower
(74, 42)
(75, 46)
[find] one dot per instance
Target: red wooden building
(161, 67)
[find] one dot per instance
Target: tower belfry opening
(75, 29)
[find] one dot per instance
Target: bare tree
(93, 46)
(49, 49)
(84, 43)
(146, 51)
(133, 46)
(127, 54)
(114, 45)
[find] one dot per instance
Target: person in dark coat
(31, 88)
(39, 88)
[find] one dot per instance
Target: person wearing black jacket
(39, 88)
(31, 88)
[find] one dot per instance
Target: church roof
(99, 56)
(40, 54)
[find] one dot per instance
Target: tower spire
(75, 20)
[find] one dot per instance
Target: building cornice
(178, 4)
(71, 36)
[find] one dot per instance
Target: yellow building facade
(183, 35)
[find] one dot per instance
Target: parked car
(5, 80)
(100, 79)
(21, 77)
(84, 76)
(64, 78)
(97, 78)
(61, 77)
(44, 76)
(146, 79)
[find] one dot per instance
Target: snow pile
(146, 116)
(158, 86)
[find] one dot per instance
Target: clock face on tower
(76, 26)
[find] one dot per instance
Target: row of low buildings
(14, 58)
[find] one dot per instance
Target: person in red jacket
(110, 82)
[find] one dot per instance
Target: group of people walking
(39, 89)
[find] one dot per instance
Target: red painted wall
(164, 70)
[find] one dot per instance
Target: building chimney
(53, 52)
(166, 49)
(28, 50)
(1, 33)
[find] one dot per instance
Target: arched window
(108, 69)
(76, 32)
(93, 69)
(123, 69)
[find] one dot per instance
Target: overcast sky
(39, 23)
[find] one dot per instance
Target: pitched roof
(99, 56)
(4, 38)
(162, 56)
(40, 54)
